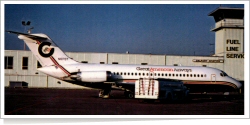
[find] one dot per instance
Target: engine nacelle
(94, 76)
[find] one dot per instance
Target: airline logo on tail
(44, 49)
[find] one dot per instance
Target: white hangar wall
(136, 59)
(88, 57)
(232, 66)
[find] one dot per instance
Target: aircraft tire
(129, 94)
(100, 95)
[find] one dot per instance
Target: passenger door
(213, 78)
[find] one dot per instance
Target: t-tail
(46, 52)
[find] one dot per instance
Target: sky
(168, 29)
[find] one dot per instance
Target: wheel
(106, 96)
(129, 94)
(100, 95)
(105, 91)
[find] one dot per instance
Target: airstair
(146, 88)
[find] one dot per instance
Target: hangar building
(21, 66)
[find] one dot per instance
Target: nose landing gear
(129, 94)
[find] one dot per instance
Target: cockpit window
(223, 74)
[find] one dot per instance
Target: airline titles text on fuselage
(163, 69)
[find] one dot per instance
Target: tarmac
(44, 101)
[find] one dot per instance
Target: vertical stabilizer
(44, 49)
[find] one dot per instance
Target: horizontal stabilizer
(29, 35)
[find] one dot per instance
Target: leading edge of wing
(28, 35)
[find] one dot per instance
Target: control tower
(229, 32)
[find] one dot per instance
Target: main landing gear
(106, 89)
(105, 92)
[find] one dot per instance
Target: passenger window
(198, 75)
(117, 73)
(166, 74)
(132, 74)
(139, 74)
(190, 75)
(135, 74)
(201, 75)
(158, 74)
(176, 74)
(125, 73)
(194, 75)
(128, 73)
(121, 73)
(180, 75)
(169, 74)
(173, 75)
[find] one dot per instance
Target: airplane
(106, 77)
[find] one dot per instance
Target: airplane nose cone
(236, 83)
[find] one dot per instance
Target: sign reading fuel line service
(233, 46)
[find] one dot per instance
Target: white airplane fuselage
(128, 74)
